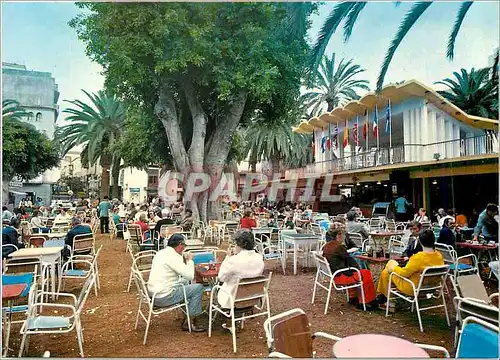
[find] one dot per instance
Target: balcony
(481, 145)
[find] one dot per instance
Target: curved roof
(397, 94)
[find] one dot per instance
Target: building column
(426, 196)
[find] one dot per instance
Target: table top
(193, 242)
(264, 229)
(386, 233)
(378, 259)
(225, 222)
(477, 246)
(12, 291)
(202, 271)
(37, 251)
(376, 346)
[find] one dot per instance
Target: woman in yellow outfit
(413, 269)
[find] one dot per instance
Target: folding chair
(89, 265)
(37, 323)
(374, 224)
(83, 244)
(325, 273)
(142, 262)
(289, 335)
(273, 252)
(456, 264)
(36, 241)
(430, 286)
(357, 239)
(146, 299)
(478, 339)
(251, 295)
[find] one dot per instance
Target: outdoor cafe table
(49, 236)
(490, 250)
(9, 293)
(376, 346)
(48, 255)
(295, 240)
(381, 238)
(379, 263)
(193, 244)
(205, 275)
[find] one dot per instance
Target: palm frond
(456, 28)
(409, 20)
(351, 19)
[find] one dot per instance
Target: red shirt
(248, 223)
(143, 225)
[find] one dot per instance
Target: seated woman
(144, 226)
(413, 269)
(446, 235)
(247, 221)
(421, 216)
(335, 252)
(37, 224)
(244, 264)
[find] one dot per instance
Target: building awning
(397, 94)
(17, 192)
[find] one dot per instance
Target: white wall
(134, 178)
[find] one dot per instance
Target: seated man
(413, 246)
(168, 273)
(413, 269)
(78, 229)
(352, 226)
(244, 264)
(36, 223)
(10, 236)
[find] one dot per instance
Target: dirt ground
(108, 320)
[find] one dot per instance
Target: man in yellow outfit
(413, 269)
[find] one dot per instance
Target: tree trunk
(105, 164)
(115, 175)
(5, 192)
(275, 164)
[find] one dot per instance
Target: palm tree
(474, 92)
(335, 86)
(349, 11)
(12, 110)
(98, 125)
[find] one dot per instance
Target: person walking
(401, 205)
(104, 208)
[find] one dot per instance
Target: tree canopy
(201, 68)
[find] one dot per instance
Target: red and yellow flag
(346, 133)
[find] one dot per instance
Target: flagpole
(357, 134)
(367, 130)
(390, 125)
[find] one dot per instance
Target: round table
(376, 346)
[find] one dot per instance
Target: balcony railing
(479, 145)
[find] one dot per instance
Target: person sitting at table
(446, 235)
(413, 269)
(449, 215)
(143, 225)
(421, 216)
(10, 236)
(289, 223)
(168, 273)
(77, 229)
(272, 222)
(461, 220)
(187, 221)
(36, 223)
(242, 263)
(115, 216)
(352, 226)
(248, 221)
(62, 217)
(487, 225)
(335, 252)
(413, 246)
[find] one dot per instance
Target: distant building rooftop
(12, 68)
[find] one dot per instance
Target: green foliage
(334, 86)
(474, 92)
(26, 152)
(97, 125)
(75, 183)
(349, 12)
(12, 110)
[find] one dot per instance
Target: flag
(388, 117)
(375, 122)
(365, 125)
(336, 136)
(329, 138)
(355, 139)
(323, 141)
(346, 133)
(313, 146)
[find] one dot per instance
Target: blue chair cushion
(477, 341)
(75, 272)
(203, 258)
(10, 279)
(48, 322)
(271, 256)
(461, 267)
(16, 309)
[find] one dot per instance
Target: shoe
(381, 299)
(194, 327)
(353, 301)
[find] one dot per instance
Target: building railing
(473, 146)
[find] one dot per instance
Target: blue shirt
(104, 208)
(480, 228)
(401, 203)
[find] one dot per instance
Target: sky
(38, 35)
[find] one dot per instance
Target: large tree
(26, 152)
(334, 86)
(97, 126)
(348, 12)
(202, 67)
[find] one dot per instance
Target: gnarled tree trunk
(115, 176)
(105, 164)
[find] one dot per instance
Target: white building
(37, 92)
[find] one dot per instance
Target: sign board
(135, 190)
(15, 184)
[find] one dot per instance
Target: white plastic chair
(89, 264)
(146, 299)
(37, 323)
(325, 273)
(431, 285)
(141, 262)
(249, 294)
